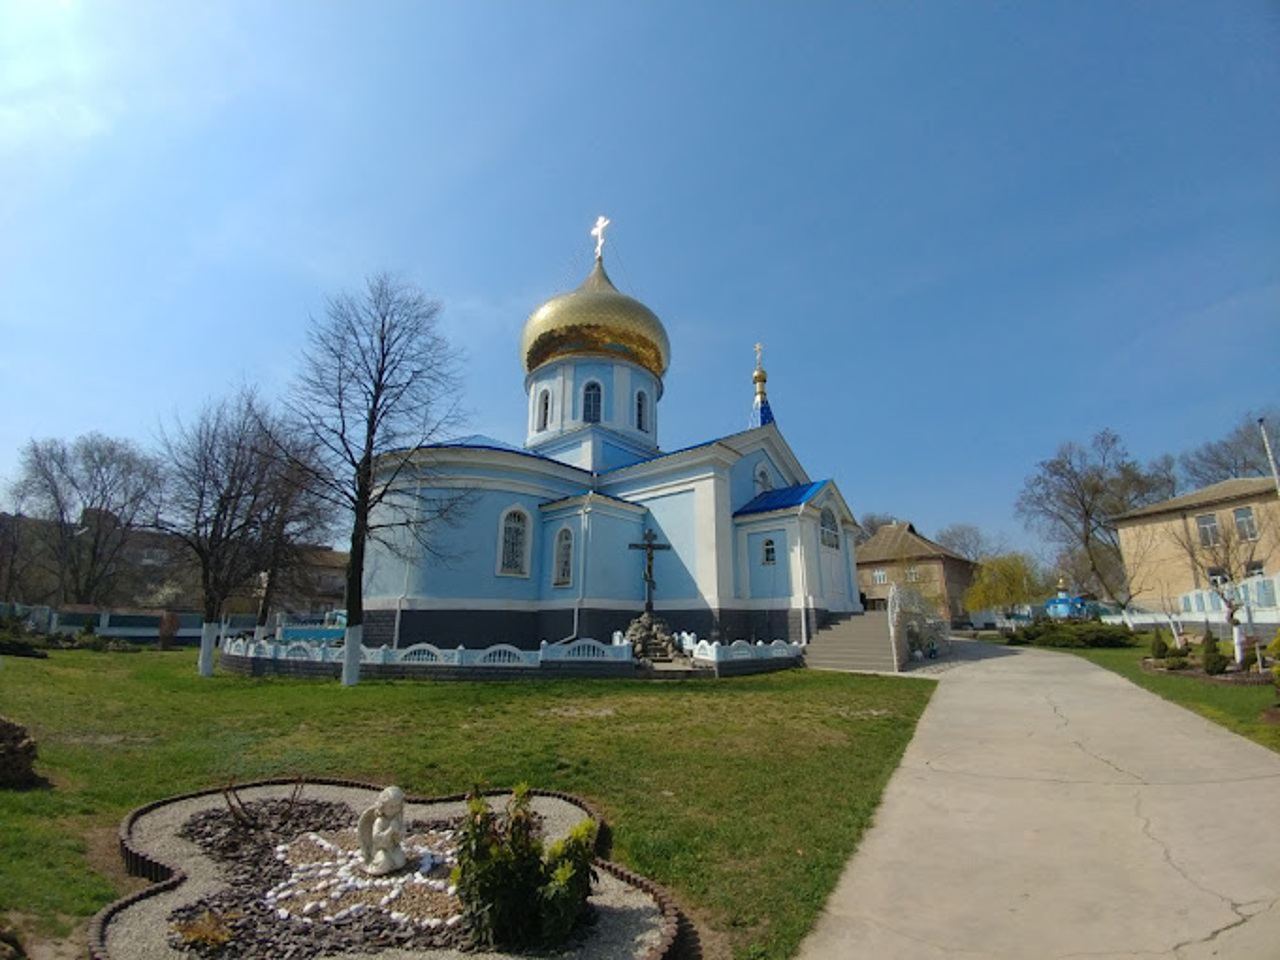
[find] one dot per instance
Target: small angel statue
(381, 832)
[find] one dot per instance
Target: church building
(555, 536)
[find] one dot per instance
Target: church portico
(570, 535)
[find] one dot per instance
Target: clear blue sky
(963, 232)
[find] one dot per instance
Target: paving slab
(1047, 808)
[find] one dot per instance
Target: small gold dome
(595, 319)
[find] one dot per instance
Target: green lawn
(1236, 708)
(743, 797)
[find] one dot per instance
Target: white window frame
(1254, 568)
(913, 574)
(642, 411)
(543, 413)
(1246, 525)
(500, 567)
(562, 566)
(879, 576)
(829, 536)
(768, 553)
(586, 388)
(1207, 527)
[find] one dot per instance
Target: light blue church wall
(768, 580)
(742, 478)
(673, 517)
(469, 562)
(613, 456)
(615, 571)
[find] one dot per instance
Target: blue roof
(480, 440)
(781, 498)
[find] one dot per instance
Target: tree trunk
(208, 634)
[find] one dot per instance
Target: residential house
(896, 553)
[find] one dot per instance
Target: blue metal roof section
(595, 493)
(480, 440)
(761, 412)
(781, 498)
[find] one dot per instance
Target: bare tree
(93, 494)
(1073, 497)
(378, 383)
(870, 523)
(1240, 453)
(229, 501)
(968, 541)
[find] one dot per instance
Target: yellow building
(1223, 532)
(897, 554)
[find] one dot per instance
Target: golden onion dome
(595, 319)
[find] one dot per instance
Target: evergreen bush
(1175, 663)
(1159, 649)
(1211, 658)
(512, 897)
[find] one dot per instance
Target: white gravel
(628, 923)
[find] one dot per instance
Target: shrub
(1159, 649)
(1211, 658)
(513, 898)
(1175, 663)
(1076, 634)
(1273, 648)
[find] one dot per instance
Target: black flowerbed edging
(166, 877)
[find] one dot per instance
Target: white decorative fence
(498, 655)
(504, 655)
(742, 650)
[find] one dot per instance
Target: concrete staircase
(855, 642)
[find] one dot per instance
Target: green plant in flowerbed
(1212, 659)
(1074, 635)
(667, 765)
(513, 896)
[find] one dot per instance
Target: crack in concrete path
(1079, 744)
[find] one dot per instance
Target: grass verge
(1237, 708)
(743, 797)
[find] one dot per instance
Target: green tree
(1006, 581)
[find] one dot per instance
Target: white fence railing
(498, 655)
(505, 655)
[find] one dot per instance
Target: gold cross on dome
(598, 232)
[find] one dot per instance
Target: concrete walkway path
(1047, 808)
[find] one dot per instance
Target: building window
(1253, 569)
(770, 554)
(564, 558)
(1218, 576)
(642, 412)
(879, 577)
(1246, 529)
(1266, 593)
(1186, 603)
(1207, 524)
(763, 482)
(913, 574)
(515, 543)
(829, 531)
(544, 410)
(591, 403)
(1199, 602)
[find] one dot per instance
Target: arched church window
(770, 556)
(763, 481)
(544, 410)
(642, 412)
(515, 543)
(591, 403)
(830, 533)
(564, 558)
